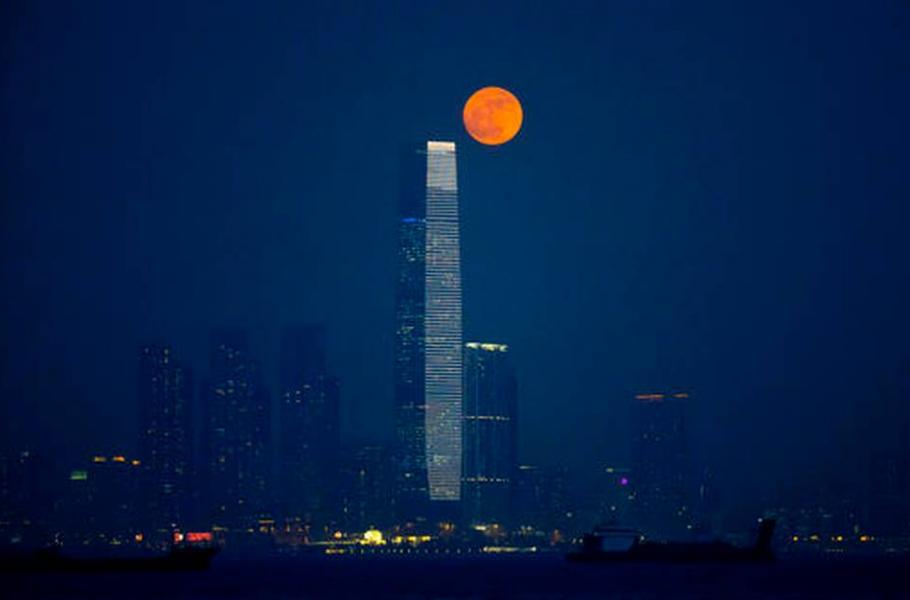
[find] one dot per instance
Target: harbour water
(526, 577)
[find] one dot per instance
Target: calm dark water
(534, 577)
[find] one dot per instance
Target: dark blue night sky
(709, 196)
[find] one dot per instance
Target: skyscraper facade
(489, 433)
(310, 427)
(165, 440)
(660, 464)
(428, 332)
(236, 436)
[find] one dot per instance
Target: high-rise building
(541, 500)
(27, 499)
(428, 334)
(489, 433)
(660, 463)
(366, 487)
(889, 490)
(100, 504)
(165, 438)
(310, 427)
(616, 494)
(236, 435)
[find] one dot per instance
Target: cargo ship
(182, 556)
(610, 544)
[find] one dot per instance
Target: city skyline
(463, 299)
(707, 199)
(211, 487)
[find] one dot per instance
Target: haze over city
(703, 199)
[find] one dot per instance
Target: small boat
(608, 544)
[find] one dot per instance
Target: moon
(492, 115)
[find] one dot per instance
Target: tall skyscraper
(490, 433)
(660, 464)
(310, 424)
(165, 440)
(428, 334)
(236, 436)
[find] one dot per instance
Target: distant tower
(616, 494)
(428, 334)
(165, 438)
(28, 493)
(310, 427)
(660, 464)
(490, 433)
(100, 502)
(889, 491)
(541, 499)
(236, 435)
(367, 488)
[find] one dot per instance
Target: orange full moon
(492, 115)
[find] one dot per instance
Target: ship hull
(665, 557)
(178, 560)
